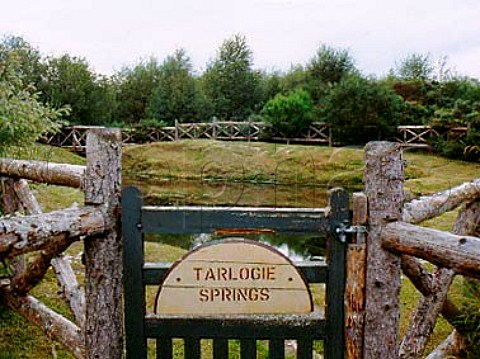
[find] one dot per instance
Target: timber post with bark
(103, 254)
(97, 328)
(383, 179)
(355, 281)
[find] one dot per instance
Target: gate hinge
(342, 231)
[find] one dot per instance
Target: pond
(223, 193)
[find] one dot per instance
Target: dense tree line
(329, 87)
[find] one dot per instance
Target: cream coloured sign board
(234, 277)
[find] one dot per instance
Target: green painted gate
(138, 220)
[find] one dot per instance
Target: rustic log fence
(394, 242)
(74, 138)
(96, 331)
(384, 240)
(421, 136)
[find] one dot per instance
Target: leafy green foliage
(134, 90)
(176, 95)
(415, 67)
(23, 118)
(289, 114)
(361, 110)
(328, 67)
(230, 83)
(28, 59)
(70, 82)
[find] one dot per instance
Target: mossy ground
(160, 168)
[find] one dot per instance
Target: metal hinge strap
(342, 231)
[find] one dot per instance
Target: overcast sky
(114, 33)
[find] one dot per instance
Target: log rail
(393, 241)
(44, 236)
(75, 139)
(398, 240)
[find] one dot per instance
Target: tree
(289, 114)
(360, 110)
(27, 58)
(135, 87)
(230, 82)
(175, 96)
(23, 118)
(70, 82)
(415, 67)
(328, 67)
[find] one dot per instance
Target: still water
(218, 193)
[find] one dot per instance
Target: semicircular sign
(234, 276)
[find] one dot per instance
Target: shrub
(360, 110)
(289, 114)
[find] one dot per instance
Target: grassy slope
(254, 162)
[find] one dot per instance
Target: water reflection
(224, 193)
(294, 247)
(218, 193)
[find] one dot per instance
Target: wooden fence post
(383, 178)
(103, 254)
(355, 283)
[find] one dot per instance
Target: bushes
(23, 118)
(360, 110)
(289, 114)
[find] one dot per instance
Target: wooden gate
(138, 220)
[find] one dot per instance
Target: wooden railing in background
(74, 138)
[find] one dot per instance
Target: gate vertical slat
(336, 252)
(276, 349)
(134, 298)
(248, 349)
(305, 349)
(192, 348)
(164, 348)
(220, 348)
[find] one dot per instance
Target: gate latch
(342, 231)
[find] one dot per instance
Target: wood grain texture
(355, 284)
(44, 172)
(460, 253)
(103, 254)
(383, 178)
(20, 235)
(428, 207)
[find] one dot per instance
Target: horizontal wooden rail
(74, 138)
(444, 249)
(20, 235)
(237, 326)
(432, 206)
(234, 220)
(44, 172)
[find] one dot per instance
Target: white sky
(114, 33)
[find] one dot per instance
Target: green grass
(196, 172)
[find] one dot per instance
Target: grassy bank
(198, 172)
